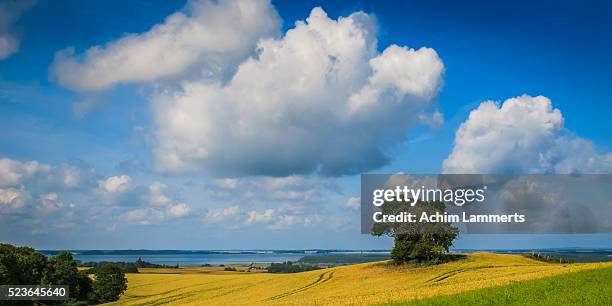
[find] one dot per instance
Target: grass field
(357, 284)
(590, 287)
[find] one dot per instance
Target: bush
(228, 268)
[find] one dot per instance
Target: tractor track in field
(452, 273)
(323, 278)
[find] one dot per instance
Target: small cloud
(50, 202)
(179, 210)
(135, 215)
(143, 216)
(71, 176)
(13, 198)
(220, 214)
(353, 203)
(13, 172)
(434, 120)
(115, 184)
(283, 222)
(49, 197)
(311, 220)
(228, 183)
(255, 217)
(156, 194)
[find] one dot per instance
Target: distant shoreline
(305, 251)
(337, 256)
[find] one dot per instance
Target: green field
(368, 283)
(591, 287)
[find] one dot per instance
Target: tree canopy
(26, 266)
(110, 283)
(417, 241)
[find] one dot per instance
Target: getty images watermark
(478, 203)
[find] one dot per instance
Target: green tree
(21, 265)
(26, 266)
(62, 270)
(85, 288)
(417, 241)
(110, 283)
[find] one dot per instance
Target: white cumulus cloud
(115, 184)
(209, 36)
(320, 99)
(255, 217)
(222, 213)
(151, 215)
(522, 135)
(156, 194)
(179, 210)
(143, 216)
(13, 172)
(50, 202)
(283, 222)
(13, 197)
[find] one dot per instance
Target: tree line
(290, 267)
(126, 267)
(26, 266)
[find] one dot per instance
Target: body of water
(197, 258)
(193, 259)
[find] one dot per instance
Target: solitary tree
(417, 241)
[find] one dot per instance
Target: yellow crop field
(356, 284)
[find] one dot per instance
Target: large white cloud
(10, 12)
(243, 102)
(321, 98)
(522, 135)
(208, 38)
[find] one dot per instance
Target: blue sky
(97, 158)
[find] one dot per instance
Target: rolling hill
(368, 283)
